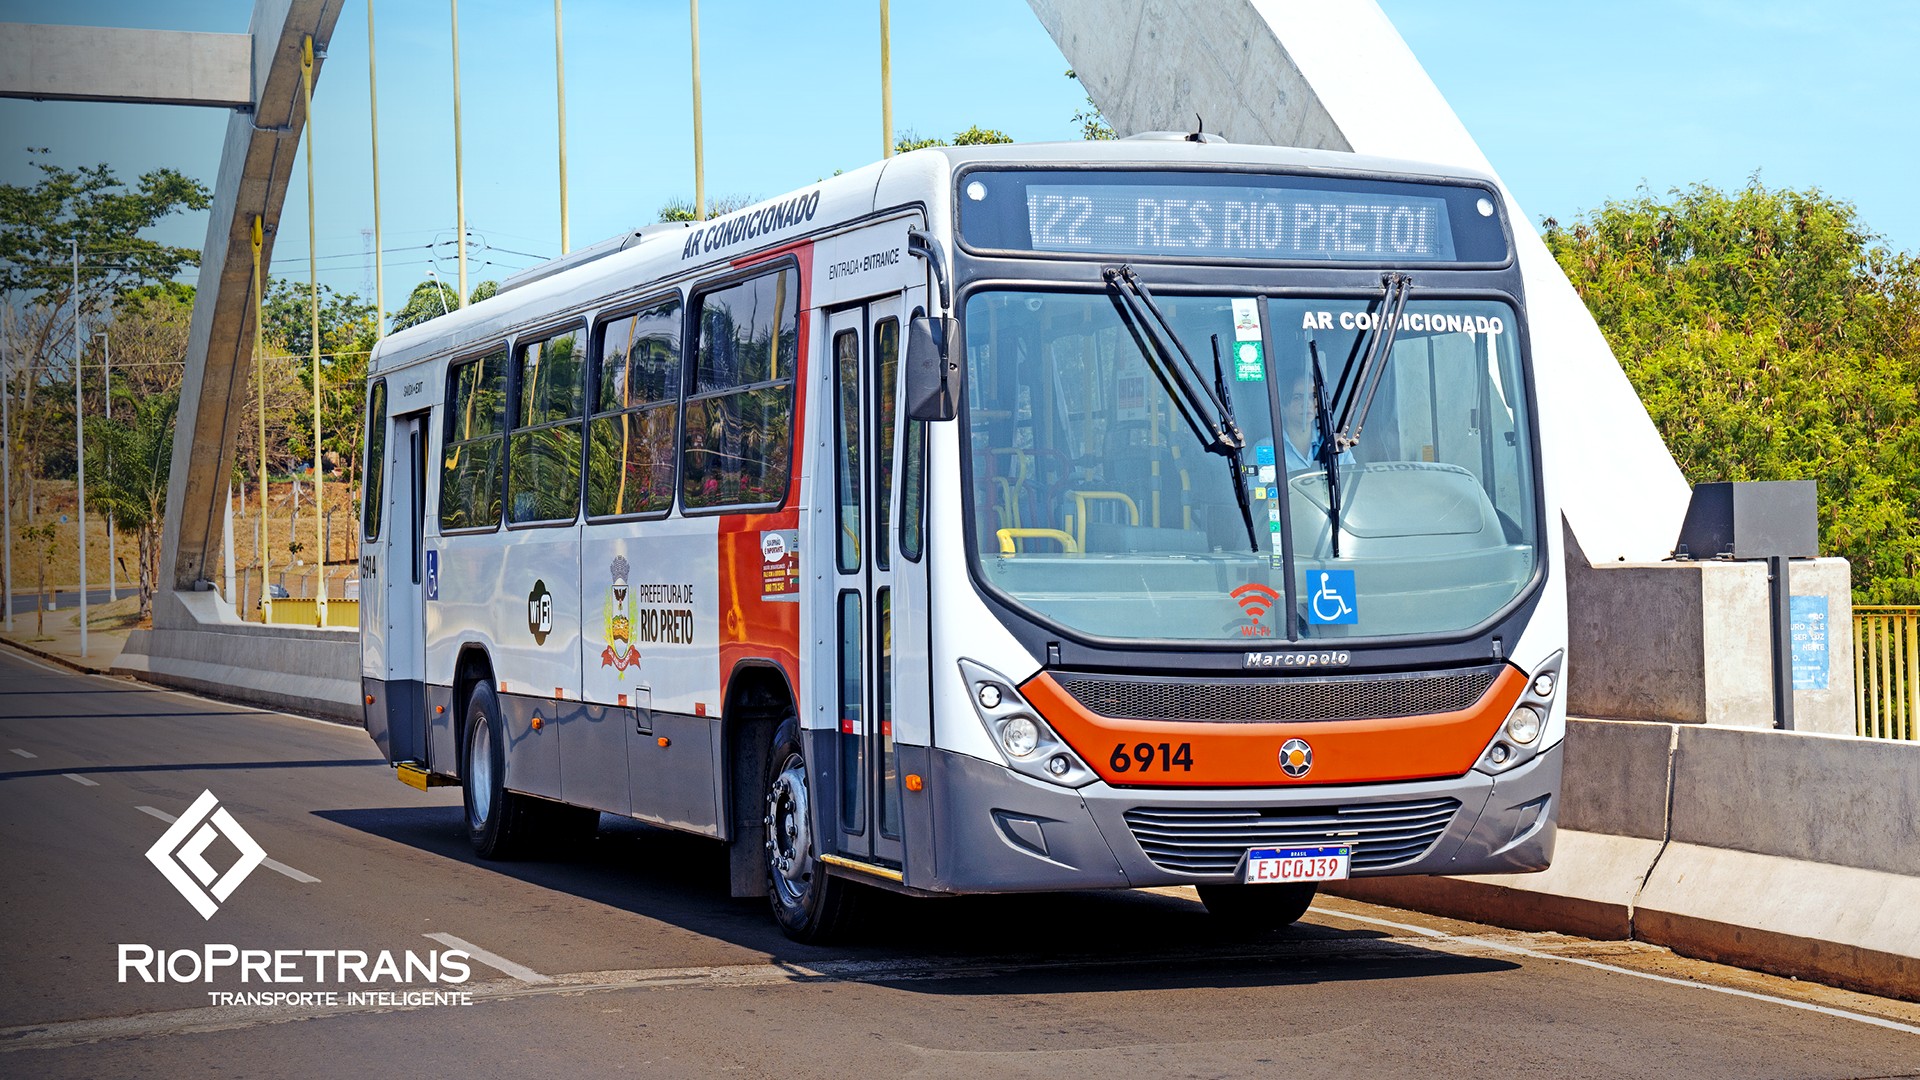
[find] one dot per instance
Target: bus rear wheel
(810, 905)
(1258, 907)
(499, 822)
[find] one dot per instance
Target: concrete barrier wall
(1691, 642)
(1790, 852)
(203, 647)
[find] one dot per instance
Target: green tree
(975, 135)
(682, 209)
(39, 224)
(128, 461)
(40, 536)
(1771, 338)
(346, 338)
(433, 298)
(1093, 125)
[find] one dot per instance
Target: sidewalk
(108, 626)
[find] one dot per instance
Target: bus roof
(667, 252)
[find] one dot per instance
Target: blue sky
(1573, 104)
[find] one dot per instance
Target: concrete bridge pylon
(1338, 76)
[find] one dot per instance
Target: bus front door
(392, 583)
(863, 349)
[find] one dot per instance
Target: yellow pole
(379, 260)
(560, 90)
(313, 283)
(459, 183)
(260, 393)
(886, 84)
(699, 160)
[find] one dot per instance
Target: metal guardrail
(304, 611)
(1886, 672)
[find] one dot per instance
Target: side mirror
(932, 372)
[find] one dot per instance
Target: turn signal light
(914, 783)
(537, 722)
(665, 742)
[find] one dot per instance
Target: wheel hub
(789, 836)
(480, 773)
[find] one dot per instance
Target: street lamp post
(80, 445)
(6, 467)
(113, 576)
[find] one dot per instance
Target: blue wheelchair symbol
(1331, 597)
(433, 575)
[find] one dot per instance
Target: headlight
(1519, 739)
(1018, 737)
(1026, 741)
(1525, 724)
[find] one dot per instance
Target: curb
(56, 658)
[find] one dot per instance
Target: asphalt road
(625, 954)
(66, 599)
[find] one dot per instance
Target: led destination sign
(1234, 216)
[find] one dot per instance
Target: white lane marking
(493, 960)
(78, 779)
(23, 753)
(274, 865)
(1498, 946)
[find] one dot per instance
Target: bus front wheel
(1258, 907)
(809, 904)
(498, 821)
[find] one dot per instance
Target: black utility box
(1751, 520)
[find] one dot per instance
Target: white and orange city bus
(992, 518)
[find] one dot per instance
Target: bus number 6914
(1125, 758)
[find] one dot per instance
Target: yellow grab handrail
(1008, 536)
(1082, 498)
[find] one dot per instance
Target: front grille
(1256, 701)
(1205, 840)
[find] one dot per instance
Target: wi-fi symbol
(1255, 599)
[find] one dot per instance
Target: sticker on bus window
(1248, 364)
(780, 565)
(1331, 599)
(1246, 319)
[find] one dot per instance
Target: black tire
(810, 905)
(500, 823)
(1258, 907)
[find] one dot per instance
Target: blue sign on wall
(1331, 598)
(1807, 631)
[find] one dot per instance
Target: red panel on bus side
(1248, 755)
(752, 626)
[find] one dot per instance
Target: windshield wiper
(1329, 457)
(1372, 365)
(1198, 406)
(1234, 459)
(1210, 417)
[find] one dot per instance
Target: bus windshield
(1094, 506)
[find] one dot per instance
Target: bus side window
(739, 419)
(473, 439)
(636, 406)
(372, 488)
(543, 453)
